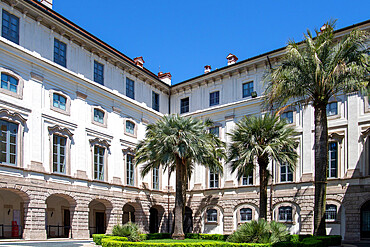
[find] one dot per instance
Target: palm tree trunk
(321, 166)
(178, 232)
(263, 162)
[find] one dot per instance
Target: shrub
(204, 236)
(129, 230)
(259, 231)
(98, 237)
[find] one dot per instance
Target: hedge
(98, 238)
(218, 237)
(113, 243)
(311, 241)
(151, 236)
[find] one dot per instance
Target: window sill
(333, 117)
(65, 112)
(10, 93)
(104, 125)
(132, 135)
(211, 223)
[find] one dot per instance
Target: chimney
(47, 3)
(165, 77)
(139, 61)
(231, 59)
(207, 69)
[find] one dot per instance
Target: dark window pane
(247, 89)
(60, 53)
(130, 88)
(184, 105)
(99, 73)
(155, 101)
(214, 98)
(10, 27)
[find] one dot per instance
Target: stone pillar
(113, 217)
(228, 223)
(80, 222)
(34, 221)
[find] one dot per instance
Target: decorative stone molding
(80, 95)
(116, 109)
(104, 124)
(56, 129)
(36, 166)
(336, 137)
(128, 150)
(100, 142)
(12, 116)
(37, 77)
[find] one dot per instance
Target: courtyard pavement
(50, 243)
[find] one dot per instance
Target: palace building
(72, 109)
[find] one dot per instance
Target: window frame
(293, 122)
(130, 89)
(215, 127)
(184, 109)
(240, 215)
(99, 108)
(127, 170)
(207, 219)
(16, 118)
(155, 105)
(97, 67)
(19, 93)
(288, 171)
(68, 135)
(332, 211)
(337, 108)
(67, 111)
(126, 120)
(8, 143)
(8, 36)
(249, 89)
(57, 58)
(156, 185)
(248, 178)
(214, 180)
(101, 143)
(212, 100)
(286, 219)
(330, 160)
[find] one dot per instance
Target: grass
(188, 240)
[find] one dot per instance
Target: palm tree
(312, 72)
(178, 143)
(261, 140)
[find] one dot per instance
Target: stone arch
(60, 209)
(238, 207)
(156, 218)
(212, 227)
(13, 207)
(294, 225)
(100, 215)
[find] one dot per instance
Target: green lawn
(188, 240)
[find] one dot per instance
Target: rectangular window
(98, 116)
(130, 88)
(130, 170)
(10, 27)
(60, 53)
(288, 116)
(9, 83)
(247, 180)
(333, 160)
(184, 105)
(99, 163)
(8, 142)
(59, 154)
(59, 101)
(99, 73)
(155, 101)
(245, 214)
(214, 98)
(155, 178)
(215, 131)
(331, 212)
(332, 109)
(211, 215)
(285, 214)
(213, 180)
(286, 173)
(247, 89)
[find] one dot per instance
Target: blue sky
(182, 37)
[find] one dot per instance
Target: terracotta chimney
(139, 61)
(207, 69)
(165, 77)
(231, 59)
(47, 3)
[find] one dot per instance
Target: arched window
(99, 116)
(59, 101)
(212, 215)
(245, 214)
(11, 83)
(285, 213)
(331, 212)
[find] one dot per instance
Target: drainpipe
(271, 188)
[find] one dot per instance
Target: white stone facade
(94, 190)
